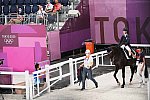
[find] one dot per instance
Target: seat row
(22, 2)
(31, 2)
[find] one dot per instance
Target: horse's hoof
(118, 83)
(122, 86)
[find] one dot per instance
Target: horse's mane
(117, 53)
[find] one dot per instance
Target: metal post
(31, 89)
(71, 71)
(27, 85)
(72, 5)
(102, 59)
(75, 70)
(57, 20)
(5, 19)
(60, 73)
(110, 62)
(47, 77)
(148, 86)
(97, 60)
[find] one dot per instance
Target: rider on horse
(125, 42)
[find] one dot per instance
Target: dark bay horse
(119, 59)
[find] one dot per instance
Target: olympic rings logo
(8, 41)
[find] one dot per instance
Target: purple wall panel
(76, 30)
(141, 9)
(106, 8)
(29, 30)
(23, 56)
(20, 58)
(54, 45)
(44, 54)
(73, 40)
(38, 52)
(112, 10)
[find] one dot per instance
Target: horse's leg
(123, 77)
(116, 71)
(132, 72)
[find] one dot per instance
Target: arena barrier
(26, 80)
(35, 85)
(99, 60)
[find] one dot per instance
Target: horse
(119, 59)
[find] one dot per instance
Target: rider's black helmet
(125, 29)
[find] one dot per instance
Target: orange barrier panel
(90, 46)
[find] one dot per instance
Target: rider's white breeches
(126, 47)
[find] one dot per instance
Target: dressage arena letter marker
(142, 30)
(101, 20)
(117, 20)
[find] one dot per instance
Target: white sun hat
(87, 51)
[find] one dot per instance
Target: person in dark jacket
(125, 42)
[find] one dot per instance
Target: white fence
(26, 80)
(35, 87)
(73, 65)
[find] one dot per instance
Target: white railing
(50, 81)
(26, 87)
(73, 66)
(148, 87)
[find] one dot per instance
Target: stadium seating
(27, 9)
(65, 2)
(35, 8)
(20, 2)
(13, 2)
(5, 2)
(6, 10)
(52, 2)
(35, 2)
(1, 3)
(0, 10)
(13, 9)
(27, 2)
(42, 2)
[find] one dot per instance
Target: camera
(73, 13)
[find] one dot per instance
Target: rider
(125, 42)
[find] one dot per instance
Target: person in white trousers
(141, 67)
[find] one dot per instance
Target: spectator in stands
(19, 18)
(49, 8)
(50, 15)
(41, 14)
(57, 6)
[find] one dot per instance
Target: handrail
(26, 74)
(72, 68)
